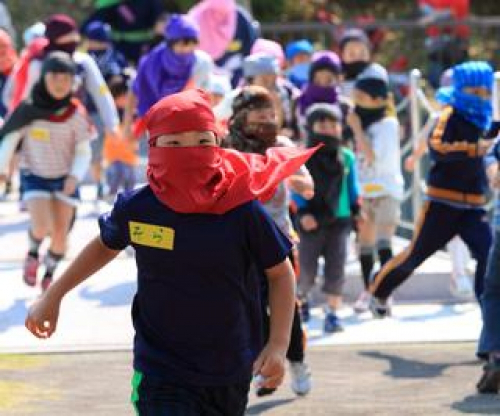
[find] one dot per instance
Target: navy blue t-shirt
(196, 312)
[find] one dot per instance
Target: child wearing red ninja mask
(199, 235)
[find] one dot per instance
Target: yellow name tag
(234, 46)
(151, 235)
(372, 187)
(40, 134)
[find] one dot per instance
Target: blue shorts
(34, 186)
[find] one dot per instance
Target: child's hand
(270, 364)
(42, 316)
(308, 222)
(410, 162)
(354, 122)
(301, 185)
(70, 184)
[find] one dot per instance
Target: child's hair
(118, 86)
(322, 111)
(59, 62)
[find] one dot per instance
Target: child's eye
(173, 143)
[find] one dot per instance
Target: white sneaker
(301, 378)
(462, 286)
(362, 304)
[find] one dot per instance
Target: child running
(55, 156)
(325, 221)
(456, 185)
(200, 238)
(253, 128)
(380, 177)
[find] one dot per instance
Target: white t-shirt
(383, 177)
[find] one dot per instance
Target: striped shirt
(48, 148)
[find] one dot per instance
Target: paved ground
(423, 379)
(420, 362)
(100, 308)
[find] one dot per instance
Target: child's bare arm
(271, 361)
(42, 316)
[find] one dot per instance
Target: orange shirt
(119, 149)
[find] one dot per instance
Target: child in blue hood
(456, 185)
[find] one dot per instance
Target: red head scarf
(207, 179)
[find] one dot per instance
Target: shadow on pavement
(257, 409)
(406, 368)
(479, 404)
(14, 315)
(118, 295)
(15, 226)
(444, 311)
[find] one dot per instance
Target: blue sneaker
(332, 323)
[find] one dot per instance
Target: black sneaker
(489, 382)
(380, 308)
(264, 391)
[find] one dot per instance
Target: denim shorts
(34, 186)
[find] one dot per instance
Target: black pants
(438, 224)
(296, 348)
(152, 397)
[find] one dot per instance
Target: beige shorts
(384, 210)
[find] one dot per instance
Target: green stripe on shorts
(136, 381)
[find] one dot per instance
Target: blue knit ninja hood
(474, 109)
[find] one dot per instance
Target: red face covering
(208, 179)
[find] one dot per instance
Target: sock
(366, 259)
(384, 251)
(50, 262)
(34, 245)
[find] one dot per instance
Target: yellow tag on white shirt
(151, 235)
(40, 134)
(372, 188)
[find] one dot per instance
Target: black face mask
(262, 132)
(353, 69)
(369, 116)
(330, 144)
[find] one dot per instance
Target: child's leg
(489, 341)
(387, 218)
(41, 220)
(367, 236)
(40, 227)
(62, 215)
(296, 348)
(490, 337)
(436, 226)
(310, 248)
(476, 233)
(335, 258)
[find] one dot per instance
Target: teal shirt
(349, 192)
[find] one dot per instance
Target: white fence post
(415, 122)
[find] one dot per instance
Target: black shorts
(152, 397)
